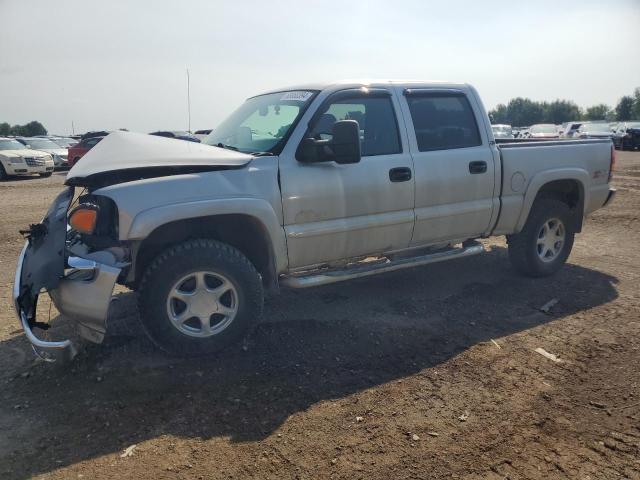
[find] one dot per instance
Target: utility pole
(188, 101)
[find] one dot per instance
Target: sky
(112, 64)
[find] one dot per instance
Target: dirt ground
(424, 373)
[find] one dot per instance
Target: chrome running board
(325, 277)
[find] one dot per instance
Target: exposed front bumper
(49, 351)
(81, 288)
(83, 295)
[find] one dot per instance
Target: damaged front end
(79, 279)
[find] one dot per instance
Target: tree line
(30, 129)
(521, 112)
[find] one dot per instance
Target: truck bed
(527, 163)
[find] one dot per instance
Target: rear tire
(199, 297)
(3, 173)
(545, 242)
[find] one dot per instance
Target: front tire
(545, 242)
(199, 297)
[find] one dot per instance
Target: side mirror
(346, 142)
(342, 148)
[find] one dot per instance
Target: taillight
(612, 162)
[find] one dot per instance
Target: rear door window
(443, 121)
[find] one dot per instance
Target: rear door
(453, 164)
(334, 211)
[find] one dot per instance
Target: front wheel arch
(243, 232)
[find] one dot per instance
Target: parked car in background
(17, 159)
(97, 133)
(594, 130)
(543, 130)
(64, 142)
(502, 131)
(177, 134)
(201, 134)
(519, 132)
(627, 136)
(570, 129)
(77, 151)
(58, 153)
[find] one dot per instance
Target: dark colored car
(177, 134)
(77, 151)
(99, 133)
(627, 136)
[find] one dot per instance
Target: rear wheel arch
(570, 191)
(241, 231)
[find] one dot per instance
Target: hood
(124, 156)
(24, 152)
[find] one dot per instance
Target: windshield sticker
(296, 96)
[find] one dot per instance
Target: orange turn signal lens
(83, 219)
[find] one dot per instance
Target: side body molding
(148, 220)
(546, 176)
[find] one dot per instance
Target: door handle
(400, 174)
(478, 167)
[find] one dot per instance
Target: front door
(333, 212)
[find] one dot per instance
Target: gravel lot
(423, 373)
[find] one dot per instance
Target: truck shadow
(312, 346)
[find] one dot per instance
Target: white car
(17, 159)
(543, 130)
(570, 129)
(502, 131)
(58, 153)
(202, 134)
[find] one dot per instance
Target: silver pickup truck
(298, 187)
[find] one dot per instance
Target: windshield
(11, 145)
(543, 129)
(262, 123)
(38, 143)
(595, 127)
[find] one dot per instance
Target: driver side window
(376, 120)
